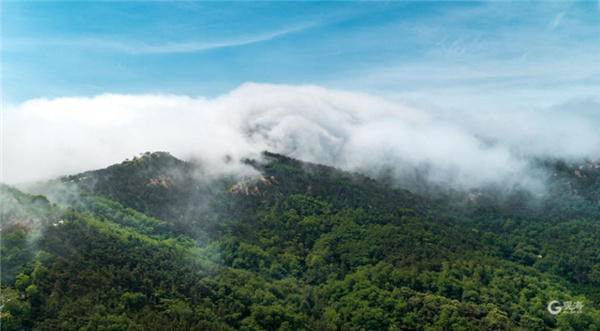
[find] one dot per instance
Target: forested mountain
(156, 243)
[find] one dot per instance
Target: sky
(85, 84)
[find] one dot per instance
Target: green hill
(156, 243)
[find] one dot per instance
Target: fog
(46, 138)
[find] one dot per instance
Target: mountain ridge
(302, 246)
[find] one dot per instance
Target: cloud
(189, 47)
(137, 47)
(558, 20)
(44, 138)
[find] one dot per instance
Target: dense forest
(156, 243)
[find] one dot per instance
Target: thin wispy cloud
(190, 47)
(137, 47)
(558, 20)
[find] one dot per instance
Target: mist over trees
(352, 131)
(156, 243)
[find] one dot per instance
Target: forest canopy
(153, 244)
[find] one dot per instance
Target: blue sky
(449, 53)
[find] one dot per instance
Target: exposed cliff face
(577, 179)
(253, 187)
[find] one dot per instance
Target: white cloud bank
(47, 138)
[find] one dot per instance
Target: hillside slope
(156, 243)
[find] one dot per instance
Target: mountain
(156, 243)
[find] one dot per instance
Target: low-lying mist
(461, 149)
